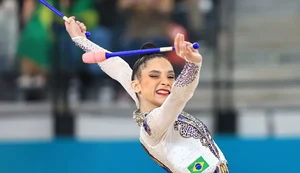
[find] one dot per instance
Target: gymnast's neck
(146, 106)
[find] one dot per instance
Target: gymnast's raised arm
(114, 67)
(162, 118)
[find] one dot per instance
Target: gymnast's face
(155, 82)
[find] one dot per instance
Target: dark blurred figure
(8, 40)
(146, 21)
(139, 22)
(36, 47)
(85, 77)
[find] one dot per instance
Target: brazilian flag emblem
(198, 166)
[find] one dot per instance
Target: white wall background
(251, 123)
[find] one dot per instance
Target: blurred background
(60, 115)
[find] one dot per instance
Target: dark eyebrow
(154, 71)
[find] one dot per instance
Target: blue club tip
(196, 45)
(88, 34)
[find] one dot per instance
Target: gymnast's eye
(154, 76)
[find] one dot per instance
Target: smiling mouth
(163, 92)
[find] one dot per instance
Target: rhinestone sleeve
(114, 67)
(186, 83)
(85, 44)
(187, 75)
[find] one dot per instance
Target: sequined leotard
(177, 141)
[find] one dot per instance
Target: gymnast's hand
(185, 50)
(75, 28)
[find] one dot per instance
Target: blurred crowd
(32, 38)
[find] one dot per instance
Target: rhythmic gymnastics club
(101, 55)
(60, 14)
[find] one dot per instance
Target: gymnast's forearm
(181, 92)
(187, 82)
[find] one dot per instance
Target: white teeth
(162, 92)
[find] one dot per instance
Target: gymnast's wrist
(196, 61)
(77, 37)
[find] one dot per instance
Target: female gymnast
(176, 140)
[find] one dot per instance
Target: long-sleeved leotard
(176, 140)
(171, 137)
(160, 119)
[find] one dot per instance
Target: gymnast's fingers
(176, 43)
(72, 19)
(188, 44)
(189, 52)
(182, 46)
(68, 22)
(183, 50)
(82, 27)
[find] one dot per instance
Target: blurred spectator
(176, 61)
(144, 21)
(147, 21)
(186, 19)
(112, 26)
(189, 14)
(9, 33)
(198, 17)
(83, 74)
(34, 48)
(36, 45)
(8, 40)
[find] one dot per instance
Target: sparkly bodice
(189, 126)
(189, 139)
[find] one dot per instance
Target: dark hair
(137, 67)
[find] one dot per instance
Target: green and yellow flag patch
(198, 166)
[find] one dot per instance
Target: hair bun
(147, 45)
